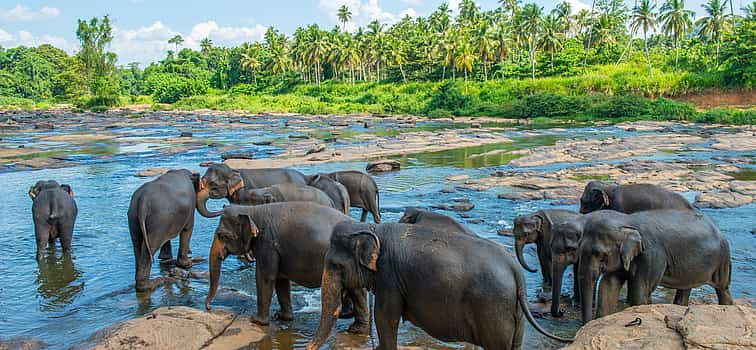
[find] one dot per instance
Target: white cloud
(454, 6)
(413, 2)
(578, 5)
(363, 12)
(26, 38)
(5, 36)
(23, 13)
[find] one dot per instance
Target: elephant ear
(367, 249)
(600, 196)
(195, 177)
(33, 192)
(235, 183)
(545, 222)
(631, 246)
(254, 231)
(68, 189)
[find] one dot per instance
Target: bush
(727, 116)
(669, 109)
(448, 97)
(169, 87)
(628, 106)
(549, 105)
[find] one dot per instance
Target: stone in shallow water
(721, 200)
(237, 155)
(152, 172)
(382, 166)
(22, 344)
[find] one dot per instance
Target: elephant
(454, 286)
(335, 190)
(433, 220)
(679, 249)
(563, 246)
(289, 240)
(535, 228)
(220, 181)
(54, 213)
(629, 199)
(159, 211)
(283, 193)
(363, 192)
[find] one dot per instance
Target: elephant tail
(142, 217)
(523, 302)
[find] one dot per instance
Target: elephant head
(255, 196)
(46, 185)
(528, 229)
(609, 244)
(595, 197)
(350, 263)
(410, 215)
(219, 181)
(233, 236)
(565, 240)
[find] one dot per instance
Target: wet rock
(44, 126)
(475, 125)
(199, 274)
(316, 149)
(206, 163)
(461, 206)
(174, 327)
(742, 141)
(330, 139)
(237, 155)
(460, 177)
(339, 124)
(22, 344)
(262, 143)
(43, 163)
(448, 190)
(152, 172)
(186, 134)
(383, 166)
(475, 221)
(299, 137)
(239, 335)
(721, 200)
(505, 232)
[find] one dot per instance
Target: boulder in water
(383, 166)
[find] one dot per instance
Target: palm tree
(485, 45)
(176, 40)
(397, 54)
(531, 17)
(643, 17)
(551, 39)
(563, 12)
(676, 21)
(465, 59)
(749, 11)
(713, 26)
(344, 16)
(250, 63)
(206, 45)
(590, 32)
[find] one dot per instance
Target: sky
(142, 27)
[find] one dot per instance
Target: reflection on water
(58, 281)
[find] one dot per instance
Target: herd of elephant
(297, 228)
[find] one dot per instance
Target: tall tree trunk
(677, 51)
(648, 56)
(404, 78)
(590, 34)
(443, 73)
(532, 60)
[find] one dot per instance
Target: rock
(44, 125)
(300, 137)
(262, 143)
(152, 172)
(330, 139)
(43, 163)
(173, 327)
(339, 124)
(316, 149)
(671, 327)
(460, 177)
(383, 166)
(22, 344)
(475, 125)
(186, 134)
(505, 232)
(448, 190)
(239, 335)
(462, 206)
(237, 155)
(206, 163)
(721, 200)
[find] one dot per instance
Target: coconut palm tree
(344, 16)
(398, 55)
(206, 45)
(749, 11)
(644, 18)
(531, 23)
(485, 45)
(676, 21)
(713, 26)
(250, 63)
(563, 13)
(176, 40)
(552, 36)
(465, 58)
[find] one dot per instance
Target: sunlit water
(64, 300)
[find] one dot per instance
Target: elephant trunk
(557, 272)
(519, 243)
(202, 197)
(217, 255)
(587, 280)
(331, 291)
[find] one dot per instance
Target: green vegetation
(517, 60)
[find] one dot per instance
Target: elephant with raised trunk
(433, 220)
(335, 190)
(159, 211)
(363, 192)
(221, 181)
(454, 286)
(283, 193)
(536, 228)
(54, 213)
(289, 240)
(629, 199)
(679, 249)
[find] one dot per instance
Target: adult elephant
(335, 190)
(455, 287)
(221, 181)
(536, 228)
(54, 213)
(629, 199)
(363, 192)
(289, 241)
(287, 192)
(678, 249)
(159, 211)
(433, 220)
(563, 245)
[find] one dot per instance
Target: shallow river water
(65, 299)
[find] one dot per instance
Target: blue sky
(142, 27)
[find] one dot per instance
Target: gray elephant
(363, 192)
(283, 193)
(54, 213)
(535, 228)
(433, 220)
(455, 287)
(335, 190)
(629, 199)
(563, 245)
(220, 181)
(677, 249)
(289, 240)
(159, 211)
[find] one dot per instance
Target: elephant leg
(143, 268)
(347, 309)
(166, 253)
(376, 213)
(42, 234)
(575, 284)
(283, 291)
(361, 323)
(363, 216)
(639, 291)
(388, 311)
(184, 261)
(723, 296)
(682, 296)
(608, 293)
(65, 232)
(545, 261)
(266, 276)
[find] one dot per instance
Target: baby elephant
(335, 190)
(433, 220)
(453, 286)
(54, 212)
(283, 193)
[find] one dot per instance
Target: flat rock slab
(241, 334)
(152, 172)
(22, 344)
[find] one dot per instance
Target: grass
(591, 177)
